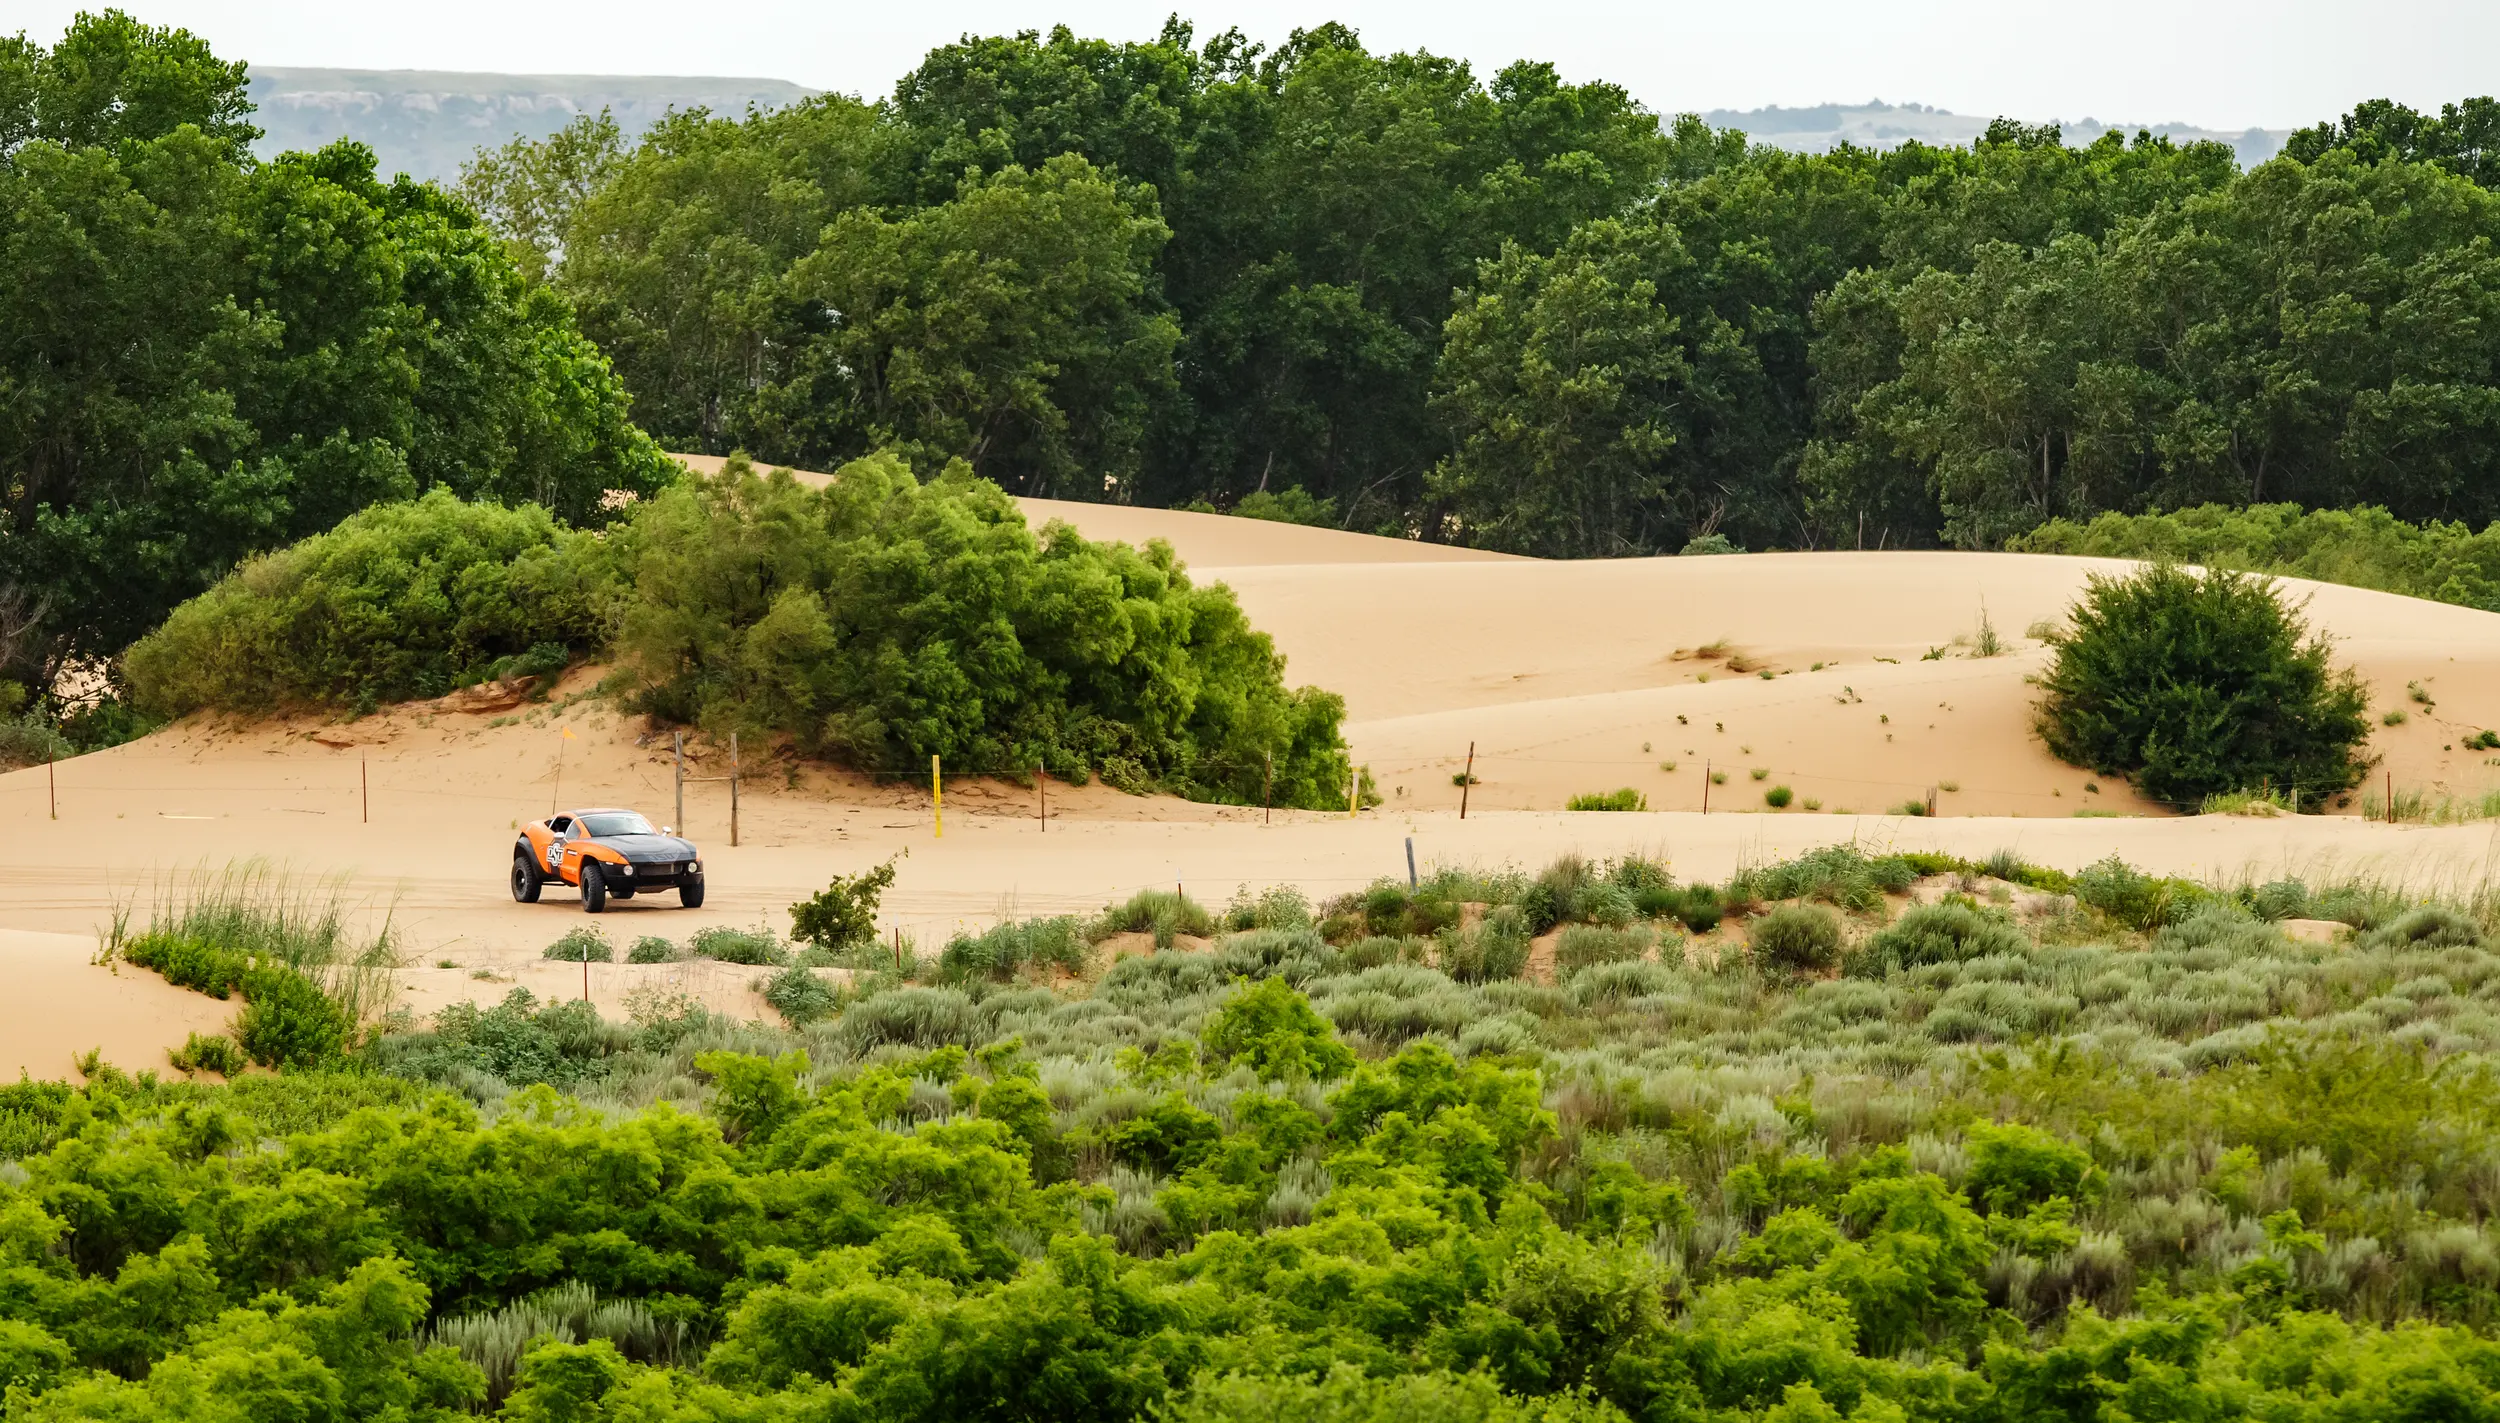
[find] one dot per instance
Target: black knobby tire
(526, 881)
(594, 888)
(690, 894)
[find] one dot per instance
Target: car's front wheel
(526, 881)
(594, 888)
(690, 894)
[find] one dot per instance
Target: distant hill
(426, 123)
(1881, 125)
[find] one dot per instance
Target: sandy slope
(1567, 677)
(1209, 539)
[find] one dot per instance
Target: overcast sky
(2214, 63)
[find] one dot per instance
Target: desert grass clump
(1796, 939)
(1951, 932)
(758, 947)
(570, 1313)
(581, 944)
(800, 995)
(651, 948)
(1492, 951)
(1624, 799)
(1582, 945)
(1165, 913)
(1778, 797)
(212, 932)
(1001, 953)
(209, 1052)
(1279, 906)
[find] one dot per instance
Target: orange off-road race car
(610, 854)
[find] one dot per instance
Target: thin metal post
(364, 788)
(1041, 782)
(677, 758)
(52, 785)
(1705, 787)
(1410, 862)
(733, 790)
(1467, 780)
(1267, 787)
(1350, 780)
(937, 798)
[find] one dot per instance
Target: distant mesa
(427, 122)
(1819, 128)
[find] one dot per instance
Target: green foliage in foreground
(2199, 684)
(1998, 1169)
(2365, 548)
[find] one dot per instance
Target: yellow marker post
(937, 797)
(1350, 776)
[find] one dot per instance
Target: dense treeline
(203, 356)
(2060, 1146)
(2365, 548)
(878, 622)
(1526, 313)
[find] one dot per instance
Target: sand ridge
(1566, 677)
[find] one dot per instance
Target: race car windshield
(621, 822)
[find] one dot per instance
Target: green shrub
(1495, 950)
(398, 601)
(28, 738)
(2279, 899)
(1778, 797)
(1269, 1026)
(287, 1021)
(209, 1052)
(2134, 898)
(756, 947)
(1165, 913)
(842, 917)
(1280, 906)
(1935, 933)
(1584, 944)
(2195, 685)
(581, 944)
(1700, 908)
(651, 948)
(186, 961)
(1796, 938)
(800, 996)
(881, 620)
(1002, 952)
(1624, 799)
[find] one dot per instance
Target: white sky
(2216, 63)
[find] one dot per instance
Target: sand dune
(1567, 677)
(1209, 539)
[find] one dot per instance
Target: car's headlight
(694, 867)
(625, 869)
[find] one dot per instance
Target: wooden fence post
(1467, 780)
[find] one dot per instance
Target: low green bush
(1935, 933)
(1584, 944)
(287, 1021)
(209, 1052)
(1625, 799)
(800, 996)
(651, 948)
(581, 944)
(1164, 913)
(1494, 950)
(1778, 797)
(187, 961)
(1796, 938)
(1010, 948)
(757, 947)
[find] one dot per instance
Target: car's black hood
(649, 849)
